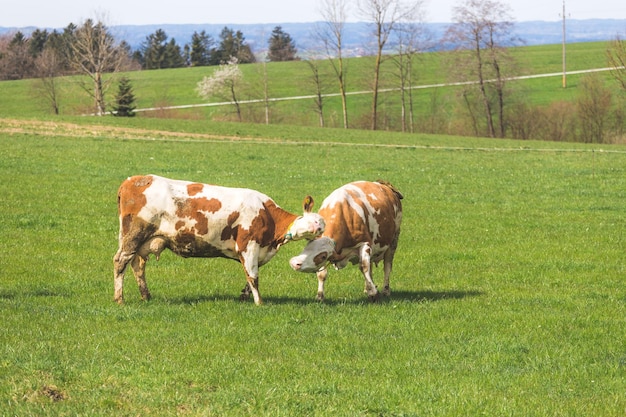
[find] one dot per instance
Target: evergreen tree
(232, 45)
(173, 55)
(281, 46)
(153, 50)
(201, 45)
(37, 42)
(125, 99)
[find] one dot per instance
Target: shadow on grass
(405, 296)
(10, 295)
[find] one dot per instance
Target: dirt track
(46, 128)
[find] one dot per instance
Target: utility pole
(564, 72)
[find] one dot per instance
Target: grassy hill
(176, 87)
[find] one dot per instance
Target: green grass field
(176, 87)
(508, 293)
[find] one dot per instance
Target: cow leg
(139, 269)
(366, 270)
(388, 263)
(251, 287)
(120, 262)
(250, 261)
(321, 278)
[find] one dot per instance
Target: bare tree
(385, 16)
(94, 52)
(480, 34)
(318, 83)
(330, 32)
(616, 54)
(594, 107)
(49, 66)
(224, 83)
(411, 38)
(16, 61)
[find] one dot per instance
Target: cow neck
(283, 221)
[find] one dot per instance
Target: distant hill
(357, 34)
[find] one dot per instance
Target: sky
(59, 13)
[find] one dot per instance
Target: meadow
(507, 299)
(177, 87)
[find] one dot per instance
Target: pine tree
(232, 45)
(281, 46)
(201, 45)
(125, 99)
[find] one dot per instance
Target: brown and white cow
(200, 220)
(362, 226)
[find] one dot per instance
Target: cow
(200, 220)
(362, 226)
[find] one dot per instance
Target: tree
(594, 107)
(384, 15)
(480, 33)
(49, 66)
(331, 33)
(201, 45)
(16, 62)
(281, 46)
(153, 50)
(410, 37)
(318, 83)
(616, 54)
(125, 99)
(232, 45)
(224, 83)
(37, 42)
(173, 55)
(94, 52)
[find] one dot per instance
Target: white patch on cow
(163, 194)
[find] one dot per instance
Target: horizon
(245, 12)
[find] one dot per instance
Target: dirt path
(47, 128)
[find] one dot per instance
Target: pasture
(507, 295)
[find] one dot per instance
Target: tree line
(478, 44)
(20, 54)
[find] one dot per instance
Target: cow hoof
(119, 301)
(374, 298)
(319, 297)
(386, 292)
(244, 297)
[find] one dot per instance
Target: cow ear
(307, 205)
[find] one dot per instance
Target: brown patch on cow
(187, 244)
(345, 226)
(194, 208)
(229, 231)
(136, 234)
(261, 230)
(195, 188)
(386, 206)
(282, 219)
(131, 199)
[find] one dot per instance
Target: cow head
(308, 226)
(314, 256)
